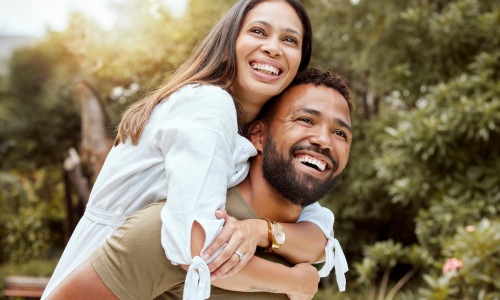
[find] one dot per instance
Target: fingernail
(224, 276)
(205, 257)
(213, 277)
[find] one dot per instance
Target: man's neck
(266, 201)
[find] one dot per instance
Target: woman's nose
(272, 48)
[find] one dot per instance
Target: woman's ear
(255, 134)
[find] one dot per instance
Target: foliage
(478, 247)
(41, 121)
(453, 143)
(382, 258)
(425, 158)
(27, 216)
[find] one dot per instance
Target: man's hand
(236, 236)
(307, 280)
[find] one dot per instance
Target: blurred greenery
(423, 182)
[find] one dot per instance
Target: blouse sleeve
(197, 141)
(324, 219)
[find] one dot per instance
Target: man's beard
(299, 189)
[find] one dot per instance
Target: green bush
(29, 205)
(477, 250)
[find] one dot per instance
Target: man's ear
(255, 134)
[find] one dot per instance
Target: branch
(383, 284)
(401, 283)
(73, 168)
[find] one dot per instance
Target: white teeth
(262, 67)
(318, 163)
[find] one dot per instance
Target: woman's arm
(197, 139)
(260, 275)
(305, 243)
(310, 235)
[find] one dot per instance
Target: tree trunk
(96, 142)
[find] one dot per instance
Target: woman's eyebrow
(267, 24)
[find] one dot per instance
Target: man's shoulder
(237, 207)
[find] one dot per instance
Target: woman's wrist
(261, 233)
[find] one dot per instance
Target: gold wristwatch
(276, 235)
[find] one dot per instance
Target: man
(303, 139)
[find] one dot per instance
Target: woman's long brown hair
(212, 62)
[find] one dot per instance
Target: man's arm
(132, 265)
(259, 275)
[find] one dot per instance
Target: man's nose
(322, 137)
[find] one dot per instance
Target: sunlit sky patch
(33, 17)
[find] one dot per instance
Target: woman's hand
(307, 280)
(236, 237)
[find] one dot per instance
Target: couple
(306, 126)
(182, 144)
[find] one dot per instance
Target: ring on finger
(239, 254)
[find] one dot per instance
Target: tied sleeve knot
(197, 285)
(335, 258)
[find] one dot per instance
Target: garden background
(417, 212)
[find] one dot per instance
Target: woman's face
(268, 52)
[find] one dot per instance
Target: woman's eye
(257, 31)
(291, 39)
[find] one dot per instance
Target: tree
(424, 158)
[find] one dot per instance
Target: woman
(182, 143)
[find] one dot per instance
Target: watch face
(279, 234)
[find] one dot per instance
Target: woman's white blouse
(190, 153)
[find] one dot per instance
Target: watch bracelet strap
(269, 249)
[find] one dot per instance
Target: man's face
(307, 146)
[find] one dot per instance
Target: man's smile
(319, 165)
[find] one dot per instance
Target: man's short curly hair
(310, 76)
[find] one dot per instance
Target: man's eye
(305, 120)
(340, 133)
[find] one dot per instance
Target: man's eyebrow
(344, 124)
(317, 113)
(308, 111)
(267, 24)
